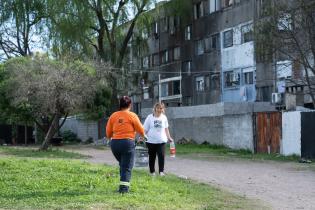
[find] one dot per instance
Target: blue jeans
(124, 152)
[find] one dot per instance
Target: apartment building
(207, 55)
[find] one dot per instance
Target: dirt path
(278, 185)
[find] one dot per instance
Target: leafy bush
(89, 141)
(69, 136)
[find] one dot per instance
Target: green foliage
(20, 22)
(60, 184)
(69, 136)
(43, 90)
(8, 113)
(101, 105)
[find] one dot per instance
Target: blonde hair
(158, 105)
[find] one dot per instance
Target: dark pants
(124, 152)
(159, 150)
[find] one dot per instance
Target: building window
(187, 67)
(145, 62)
(164, 89)
(176, 53)
(174, 24)
(248, 78)
(226, 3)
(176, 87)
(164, 57)
(247, 33)
(200, 47)
(215, 41)
(207, 44)
(200, 83)
(155, 30)
(146, 93)
(188, 32)
(155, 59)
(228, 38)
(285, 22)
(164, 24)
(231, 79)
(144, 33)
(284, 69)
(198, 10)
(214, 5)
(170, 88)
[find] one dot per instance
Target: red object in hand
(172, 149)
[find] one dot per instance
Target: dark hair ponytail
(124, 102)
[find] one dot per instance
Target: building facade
(206, 54)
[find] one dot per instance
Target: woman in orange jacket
(121, 128)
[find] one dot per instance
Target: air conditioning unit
(276, 98)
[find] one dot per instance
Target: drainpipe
(160, 88)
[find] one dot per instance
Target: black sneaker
(123, 189)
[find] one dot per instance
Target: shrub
(69, 136)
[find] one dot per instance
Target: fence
(24, 134)
(229, 124)
(298, 134)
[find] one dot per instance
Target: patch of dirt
(278, 185)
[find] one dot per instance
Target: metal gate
(268, 127)
(307, 134)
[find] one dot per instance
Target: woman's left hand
(170, 139)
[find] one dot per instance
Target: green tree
(96, 24)
(96, 28)
(8, 113)
(21, 23)
(50, 90)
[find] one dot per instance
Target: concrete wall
(83, 129)
(227, 124)
(291, 133)
(238, 131)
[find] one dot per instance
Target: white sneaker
(162, 174)
(152, 174)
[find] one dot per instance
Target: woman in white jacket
(156, 129)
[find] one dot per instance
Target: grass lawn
(35, 153)
(45, 183)
(215, 151)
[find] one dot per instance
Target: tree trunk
(51, 132)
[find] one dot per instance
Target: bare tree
(286, 32)
(51, 89)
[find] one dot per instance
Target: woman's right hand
(142, 139)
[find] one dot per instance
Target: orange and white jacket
(123, 125)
